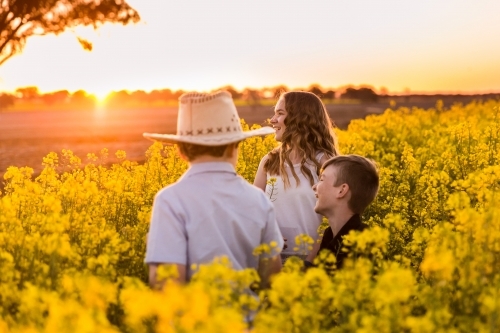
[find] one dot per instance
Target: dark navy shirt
(335, 243)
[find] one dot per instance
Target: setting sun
(101, 97)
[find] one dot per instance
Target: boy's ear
(230, 149)
(181, 154)
(344, 189)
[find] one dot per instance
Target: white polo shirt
(210, 212)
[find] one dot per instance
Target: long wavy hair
(308, 130)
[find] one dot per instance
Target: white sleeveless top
(294, 206)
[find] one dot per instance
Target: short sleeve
(167, 237)
(271, 232)
(320, 155)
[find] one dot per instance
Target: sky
(447, 46)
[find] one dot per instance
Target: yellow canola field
(72, 241)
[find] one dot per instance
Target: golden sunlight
(101, 97)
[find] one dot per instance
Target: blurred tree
(176, 94)
(329, 94)
(252, 97)
(154, 96)
(316, 89)
(266, 92)
(28, 92)
(83, 100)
(383, 91)
(61, 96)
(6, 100)
(20, 19)
(363, 94)
(140, 97)
(278, 90)
(160, 95)
(234, 93)
(117, 99)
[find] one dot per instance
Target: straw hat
(208, 119)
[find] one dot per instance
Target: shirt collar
(210, 167)
(352, 224)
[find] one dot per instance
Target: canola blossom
(72, 241)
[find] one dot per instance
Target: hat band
(210, 130)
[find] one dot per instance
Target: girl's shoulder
(322, 156)
(272, 155)
(264, 158)
(319, 155)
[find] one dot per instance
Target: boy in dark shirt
(347, 185)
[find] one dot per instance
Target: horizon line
(324, 89)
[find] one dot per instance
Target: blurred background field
(26, 137)
(32, 128)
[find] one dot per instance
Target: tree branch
(54, 16)
(7, 57)
(12, 39)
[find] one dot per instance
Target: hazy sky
(421, 45)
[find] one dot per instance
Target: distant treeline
(124, 98)
(29, 98)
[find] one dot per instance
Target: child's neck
(208, 158)
(338, 219)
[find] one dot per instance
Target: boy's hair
(192, 151)
(362, 177)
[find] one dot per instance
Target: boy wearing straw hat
(210, 211)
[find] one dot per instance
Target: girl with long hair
(288, 172)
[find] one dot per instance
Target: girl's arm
(261, 177)
(314, 251)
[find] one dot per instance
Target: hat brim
(212, 140)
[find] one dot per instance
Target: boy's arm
(155, 284)
(270, 263)
(166, 239)
(267, 268)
